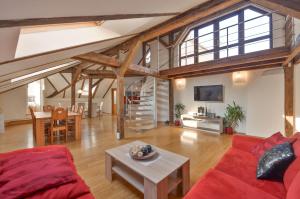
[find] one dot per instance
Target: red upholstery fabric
(218, 185)
(259, 149)
(294, 168)
(57, 179)
(234, 177)
(233, 163)
(294, 190)
(245, 143)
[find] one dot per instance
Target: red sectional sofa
(41, 173)
(234, 177)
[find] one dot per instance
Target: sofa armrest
(245, 143)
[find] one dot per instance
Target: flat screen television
(213, 93)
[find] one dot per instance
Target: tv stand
(214, 125)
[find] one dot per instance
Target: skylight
(42, 71)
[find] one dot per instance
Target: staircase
(141, 108)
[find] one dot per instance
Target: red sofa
(41, 173)
(234, 177)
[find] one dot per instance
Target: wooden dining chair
(48, 108)
(59, 123)
(33, 121)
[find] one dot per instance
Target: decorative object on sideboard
(234, 114)
(142, 152)
(179, 108)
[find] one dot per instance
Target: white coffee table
(156, 178)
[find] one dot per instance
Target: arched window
(244, 31)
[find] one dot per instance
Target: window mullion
(241, 34)
(216, 40)
(196, 42)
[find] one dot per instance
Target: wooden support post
(289, 100)
(120, 106)
(73, 90)
(171, 91)
(90, 97)
(171, 102)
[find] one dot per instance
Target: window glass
(257, 46)
(229, 52)
(148, 57)
(229, 31)
(205, 57)
(256, 27)
(206, 38)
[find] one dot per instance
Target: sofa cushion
(273, 164)
(216, 184)
(242, 165)
(294, 167)
(277, 138)
(294, 189)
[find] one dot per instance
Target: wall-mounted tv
(213, 93)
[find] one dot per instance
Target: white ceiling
(15, 45)
(16, 9)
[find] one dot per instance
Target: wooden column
(73, 90)
(90, 98)
(120, 106)
(171, 88)
(289, 100)
(171, 102)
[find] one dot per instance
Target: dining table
(41, 118)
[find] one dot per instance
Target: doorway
(114, 101)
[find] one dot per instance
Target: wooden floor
(203, 149)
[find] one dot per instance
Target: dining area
(53, 125)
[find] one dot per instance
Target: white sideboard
(214, 125)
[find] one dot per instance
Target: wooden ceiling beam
(191, 16)
(228, 70)
(74, 19)
(285, 7)
(294, 53)
(99, 59)
(271, 54)
(247, 65)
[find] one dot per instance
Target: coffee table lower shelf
(138, 181)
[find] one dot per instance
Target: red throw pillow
(277, 138)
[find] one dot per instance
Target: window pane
(206, 42)
(229, 31)
(183, 62)
(148, 57)
(205, 30)
(190, 60)
(183, 49)
(257, 46)
(229, 52)
(256, 27)
(229, 22)
(190, 36)
(206, 57)
(190, 47)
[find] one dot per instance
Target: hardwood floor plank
(203, 149)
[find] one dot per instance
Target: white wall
(14, 103)
(261, 98)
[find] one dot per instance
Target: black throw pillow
(274, 162)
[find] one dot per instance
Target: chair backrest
(48, 108)
(59, 114)
(31, 112)
(101, 106)
(80, 110)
